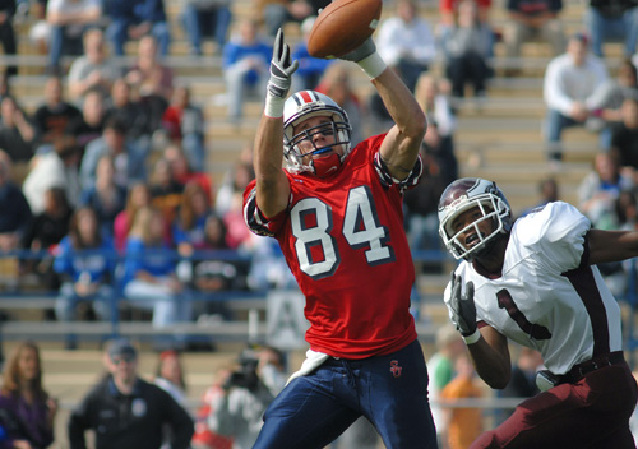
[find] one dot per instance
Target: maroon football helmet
(467, 193)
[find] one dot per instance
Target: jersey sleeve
(387, 180)
(556, 233)
(256, 221)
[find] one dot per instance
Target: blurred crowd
(106, 185)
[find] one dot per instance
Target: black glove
(281, 68)
(462, 305)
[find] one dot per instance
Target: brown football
(342, 26)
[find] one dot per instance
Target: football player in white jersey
(535, 281)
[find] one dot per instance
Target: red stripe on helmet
(305, 95)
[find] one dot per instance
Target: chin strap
(326, 165)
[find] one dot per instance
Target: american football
(342, 26)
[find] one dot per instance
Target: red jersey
(344, 241)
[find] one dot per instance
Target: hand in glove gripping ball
(462, 305)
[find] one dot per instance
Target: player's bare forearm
(272, 188)
(610, 246)
(401, 146)
(491, 358)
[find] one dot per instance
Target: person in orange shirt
(465, 424)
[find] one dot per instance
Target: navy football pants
(390, 391)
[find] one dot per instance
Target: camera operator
(238, 411)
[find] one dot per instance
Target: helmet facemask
(492, 208)
(321, 161)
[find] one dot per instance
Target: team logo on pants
(395, 369)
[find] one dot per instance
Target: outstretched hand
(462, 305)
(281, 67)
(361, 52)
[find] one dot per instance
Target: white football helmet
(302, 106)
(467, 193)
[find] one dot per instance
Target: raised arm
(401, 146)
(610, 246)
(272, 188)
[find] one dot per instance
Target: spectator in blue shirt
(86, 260)
(246, 64)
(132, 19)
(310, 69)
(150, 280)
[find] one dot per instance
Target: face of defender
(320, 134)
(468, 224)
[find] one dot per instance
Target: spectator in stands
(59, 168)
(337, 84)
(85, 259)
(133, 113)
(106, 198)
(27, 411)
(607, 101)
(624, 137)
(150, 280)
(127, 410)
(406, 42)
(68, 20)
(188, 227)
(449, 11)
(52, 118)
(206, 18)
(139, 196)
(16, 131)
(440, 167)
(441, 371)
(599, 190)
(531, 21)
(612, 20)
(152, 80)
(468, 45)
(130, 161)
(571, 81)
(310, 69)
(237, 235)
(548, 192)
(133, 19)
(232, 183)
(185, 125)
(433, 96)
(48, 229)
(246, 63)
(7, 33)
(465, 424)
(276, 13)
(170, 376)
(16, 217)
(166, 192)
(94, 69)
(90, 125)
(522, 382)
(183, 173)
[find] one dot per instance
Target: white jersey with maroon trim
(548, 297)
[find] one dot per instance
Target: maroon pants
(593, 413)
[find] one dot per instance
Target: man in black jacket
(126, 412)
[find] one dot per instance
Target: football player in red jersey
(336, 212)
(535, 281)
